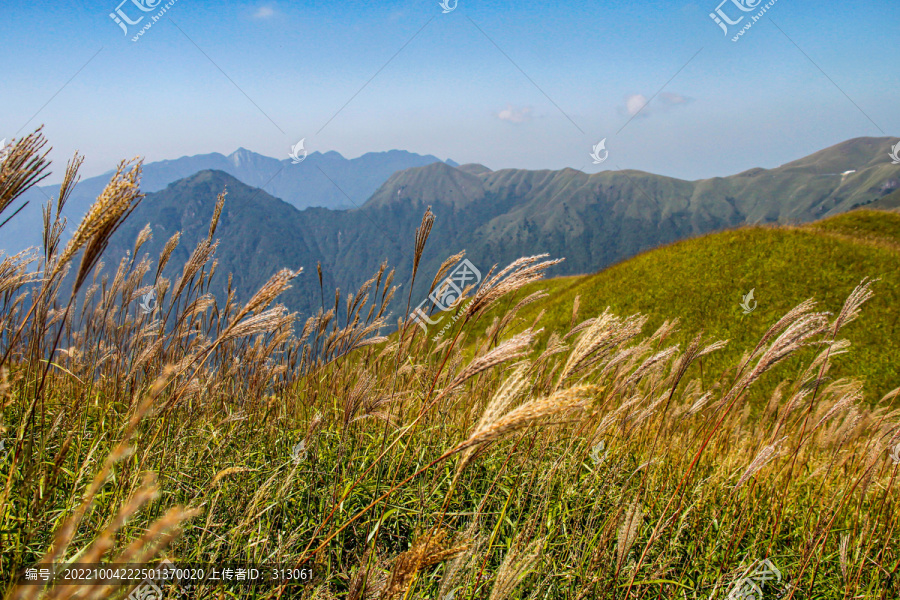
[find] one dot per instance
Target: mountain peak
(211, 178)
(242, 156)
(473, 168)
(855, 153)
(436, 183)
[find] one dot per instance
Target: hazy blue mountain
(327, 180)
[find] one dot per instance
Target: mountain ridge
(592, 220)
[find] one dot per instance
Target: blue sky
(516, 84)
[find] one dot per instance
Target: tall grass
(209, 430)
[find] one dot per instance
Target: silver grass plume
(765, 456)
(517, 563)
(628, 531)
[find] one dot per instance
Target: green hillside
(702, 280)
(888, 202)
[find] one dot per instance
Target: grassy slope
(701, 282)
(104, 440)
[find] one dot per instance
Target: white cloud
(634, 103)
(515, 114)
(671, 99)
(264, 12)
(637, 104)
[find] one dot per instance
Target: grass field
(607, 455)
(701, 283)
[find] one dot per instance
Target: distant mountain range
(327, 180)
(496, 216)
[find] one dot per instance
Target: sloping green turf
(701, 282)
